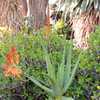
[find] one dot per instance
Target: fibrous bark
(10, 14)
(83, 25)
(38, 11)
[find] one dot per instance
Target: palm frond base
(83, 25)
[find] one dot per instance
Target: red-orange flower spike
(12, 59)
(12, 56)
(12, 71)
(16, 58)
(16, 72)
(9, 58)
(6, 70)
(5, 66)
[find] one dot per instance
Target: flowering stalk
(12, 60)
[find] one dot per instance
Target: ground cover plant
(49, 50)
(86, 85)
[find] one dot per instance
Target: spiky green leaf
(68, 82)
(42, 86)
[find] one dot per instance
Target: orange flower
(12, 56)
(6, 70)
(12, 71)
(12, 59)
(16, 72)
(16, 58)
(9, 58)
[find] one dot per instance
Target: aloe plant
(60, 78)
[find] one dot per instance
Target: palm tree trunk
(83, 25)
(10, 14)
(38, 11)
(24, 7)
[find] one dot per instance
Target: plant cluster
(49, 67)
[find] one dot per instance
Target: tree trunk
(38, 11)
(10, 14)
(83, 25)
(24, 8)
